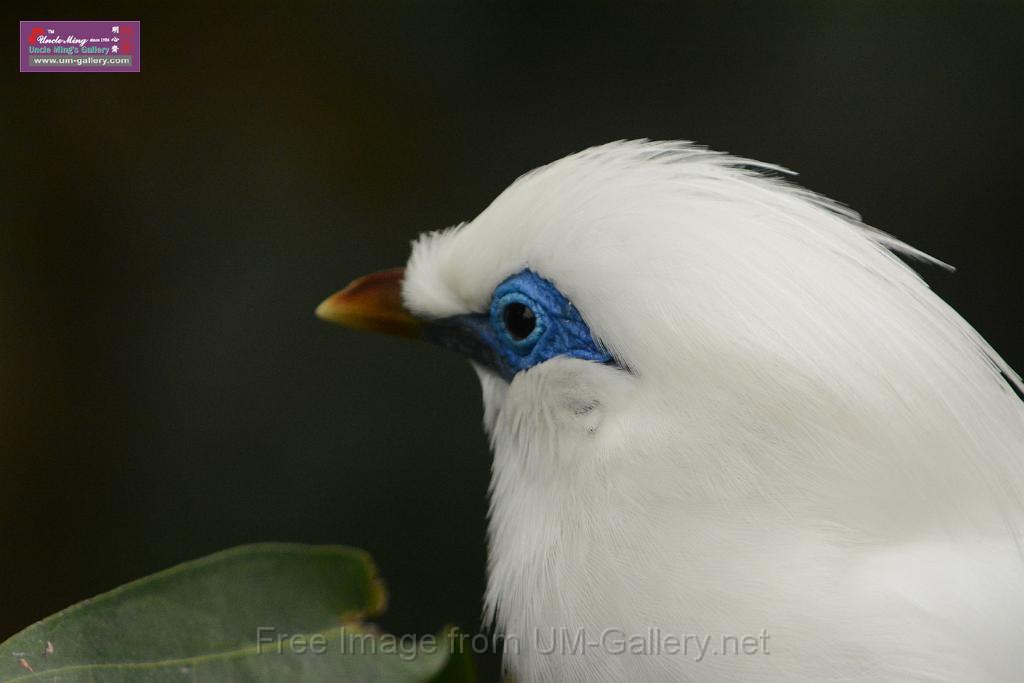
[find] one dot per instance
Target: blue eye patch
(529, 322)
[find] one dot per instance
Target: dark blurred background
(165, 390)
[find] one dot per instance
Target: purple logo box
(80, 46)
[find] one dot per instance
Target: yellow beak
(372, 302)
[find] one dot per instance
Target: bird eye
(519, 320)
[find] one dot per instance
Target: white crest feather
(808, 441)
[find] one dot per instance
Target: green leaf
(268, 612)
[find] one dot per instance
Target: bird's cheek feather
(566, 398)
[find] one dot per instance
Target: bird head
(666, 309)
(699, 379)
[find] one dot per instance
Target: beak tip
(322, 310)
(373, 303)
(329, 310)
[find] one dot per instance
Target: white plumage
(806, 443)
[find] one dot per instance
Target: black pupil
(519, 321)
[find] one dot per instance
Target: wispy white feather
(809, 442)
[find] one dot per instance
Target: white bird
(724, 414)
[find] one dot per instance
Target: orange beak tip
(372, 302)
